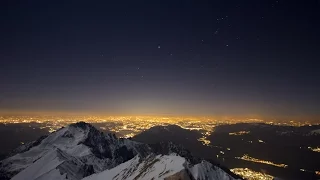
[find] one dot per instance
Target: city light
(239, 133)
(248, 158)
(127, 126)
(317, 149)
(251, 175)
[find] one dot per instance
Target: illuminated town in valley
(317, 149)
(250, 174)
(239, 133)
(129, 126)
(248, 158)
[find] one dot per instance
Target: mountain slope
(171, 167)
(80, 150)
(80, 140)
(56, 165)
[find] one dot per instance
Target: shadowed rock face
(167, 148)
(182, 175)
(124, 153)
(101, 144)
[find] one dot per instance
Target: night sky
(216, 57)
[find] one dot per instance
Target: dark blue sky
(220, 58)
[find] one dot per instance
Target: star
(216, 32)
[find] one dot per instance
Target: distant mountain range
(81, 151)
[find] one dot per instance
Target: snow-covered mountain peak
(162, 167)
(80, 140)
(79, 150)
(150, 167)
(55, 164)
(83, 125)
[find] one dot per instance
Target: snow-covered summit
(80, 150)
(56, 164)
(80, 140)
(158, 167)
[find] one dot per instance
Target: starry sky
(213, 57)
